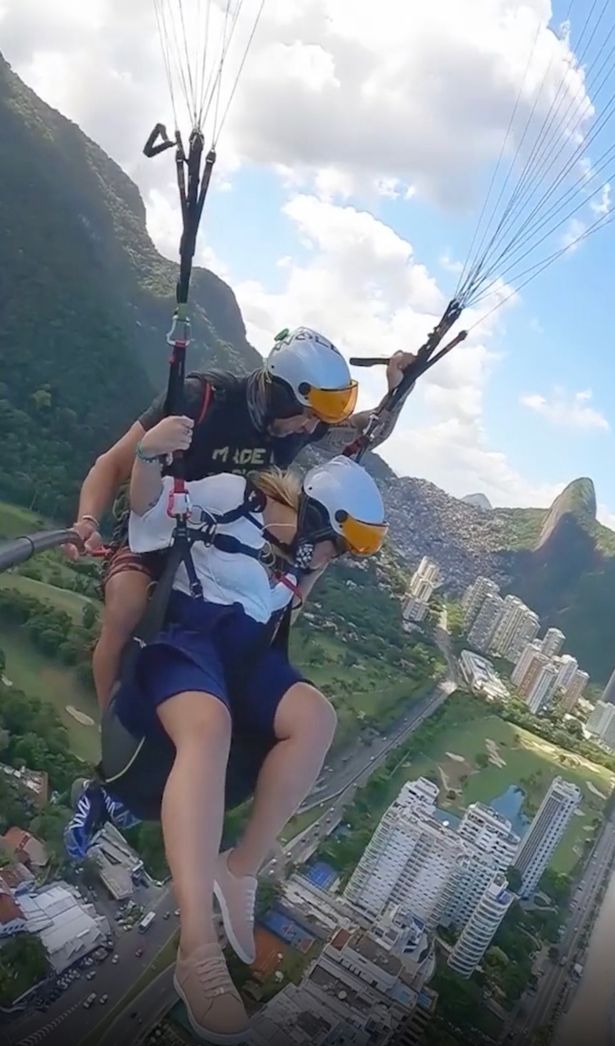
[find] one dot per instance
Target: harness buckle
(207, 525)
(178, 504)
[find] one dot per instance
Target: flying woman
(213, 670)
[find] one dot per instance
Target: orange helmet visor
(333, 405)
(364, 539)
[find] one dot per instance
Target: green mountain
(85, 301)
(567, 574)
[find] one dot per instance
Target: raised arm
(339, 436)
(169, 435)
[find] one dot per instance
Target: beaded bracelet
(147, 458)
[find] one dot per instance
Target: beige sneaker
(214, 1007)
(236, 896)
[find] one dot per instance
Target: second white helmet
(341, 501)
(314, 373)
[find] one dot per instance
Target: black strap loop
(151, 148)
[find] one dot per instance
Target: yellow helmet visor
(333, 405)
(364, 539)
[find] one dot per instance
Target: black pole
(20, 549)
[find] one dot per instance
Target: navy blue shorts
(214, 649)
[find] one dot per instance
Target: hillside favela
(307, 628)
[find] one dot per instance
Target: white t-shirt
(226, 577)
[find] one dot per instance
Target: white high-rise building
(491, 832)
(545, 832)
(481, 928)
(516, 627)
(599, 718)
(415, 861)
(566, 669)
(575, 690)
(608, 693)
(542, 690)
(509, 617)
(423, 583)
(531, 651)
(475, 596)
(485, 623)
(553, 642)
(601, 722)
(525, 631)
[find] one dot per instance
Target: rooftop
(9, 909)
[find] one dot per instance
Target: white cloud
(401, 95)
(571, 237)
(602, 206)
(363, 287)
(570, 410)
(606, 517)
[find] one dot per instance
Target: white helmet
(312, 373)
(341, 502)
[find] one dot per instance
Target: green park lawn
(359, 686)
(15, 520)
(523, 759)
(60, 598)
(38, 676)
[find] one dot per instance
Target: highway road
(67, 1023)
(556, 983)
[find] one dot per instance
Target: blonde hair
(284, 487)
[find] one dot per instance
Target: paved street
(66, 1022)
(555, 985)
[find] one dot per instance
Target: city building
(516, 626)
(423, 583)
(485, 623)
(25, 848)
(601, 723)
(12, 919)
(481, 676)
(33, 784)
(117, 864)
(356, 992)
(575, 690)
(481, 927)
(418, 862)
(15, 878)
(552, 642)
(491, 832)
(545, 832)
(608, 694)
(567, 666)
(415, 609)
(531, 652)
(475, 596)
(539, 694)
(67, 926)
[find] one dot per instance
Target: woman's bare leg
(193, 807)
(126, 596)
(305, 726)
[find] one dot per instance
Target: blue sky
(351, 176)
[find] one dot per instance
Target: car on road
(103, 999)
(139, 953)
(115, 960)
(90, 999)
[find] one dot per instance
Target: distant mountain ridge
(478, 501)
(86, 302)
